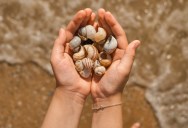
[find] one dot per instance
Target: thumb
(136, 125)
(128, 58)
(59, 45)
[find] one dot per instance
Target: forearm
(109, 117)
(64, 111)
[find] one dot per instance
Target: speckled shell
(105, 59)
(110, 45)
(92, 52)
(100, 36)
(75, 43)
(80, 54)
(87, 32)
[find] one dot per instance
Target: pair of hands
(113, 81)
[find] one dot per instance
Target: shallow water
(28, 28)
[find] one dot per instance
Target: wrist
(104, 102)
(70, 96)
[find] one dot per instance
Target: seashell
(75, 43)
(96, 64)
(92, 52)
(105, 59)
(88, 63)
(110, 45)
(80, 54)
(99, 71)
(87, 32)
(100, 36)
(85, 73)
(79, 65)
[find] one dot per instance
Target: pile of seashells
(92, 51)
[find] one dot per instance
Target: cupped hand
(63, 67)
(116, 76)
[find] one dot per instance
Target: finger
(102, 22)
(117, 30)
(88, 12)
(127, 59)
(92, 19)
(59, 45)
(75, 24)
(136, 125)
(95, 25)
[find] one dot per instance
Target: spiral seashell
(79, 65)
(88, 63)
(100, 36)
(110, 45)
(99, 71)
(98, 46)
(105, 59)
(86, 73)
(87, 32)
(80, 54)
(92, 52)
(75, 43)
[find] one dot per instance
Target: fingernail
(61, 31)
(137, 125)
(136, 44)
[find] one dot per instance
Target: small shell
(80, 54)
(88, 63)
(92, 52)
(75, 42)
(79, 65)
(110, 45)
(100, 36)
(96, 64)
(85, 73)
(105, 59)
(99, 71)
(87, 32)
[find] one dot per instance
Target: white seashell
(79, 65)
(105, 59)
(86, 73)
(92, 52)
(88, 63)
(110, 45)
(80, 54)
(99, 71)
(75, 42)
(87, 32)
(100, 36)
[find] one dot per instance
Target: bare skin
(72, 90)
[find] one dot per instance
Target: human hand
(109, 87)
(63, 67)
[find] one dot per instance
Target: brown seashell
(80, 54)
(92, 52)
(105, 59)
(100, 36)
(88, 63)
(79, 65)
